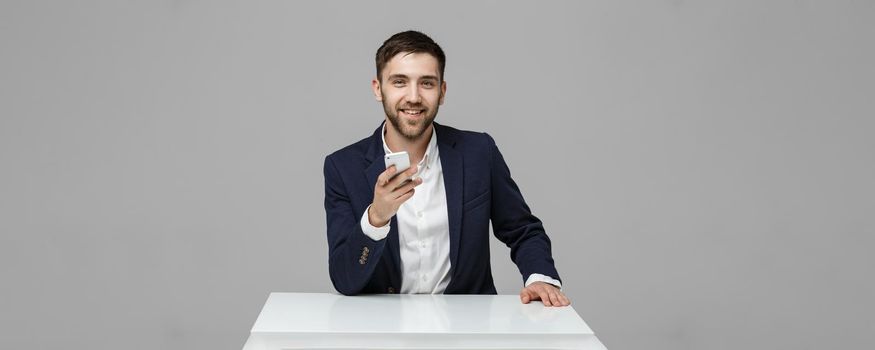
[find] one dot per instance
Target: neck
(415, 147)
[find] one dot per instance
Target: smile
(412, 111)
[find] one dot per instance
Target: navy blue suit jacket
(479, 188)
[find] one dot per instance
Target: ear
(443, 91)
(375, 84)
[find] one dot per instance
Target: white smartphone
(400, 160)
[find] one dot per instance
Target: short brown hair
(409, 41)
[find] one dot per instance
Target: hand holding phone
(394, 187)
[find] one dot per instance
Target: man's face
(411, 90)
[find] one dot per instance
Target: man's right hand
(389, 194)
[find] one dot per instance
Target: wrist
(375, 220)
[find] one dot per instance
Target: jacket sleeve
(352, 256)
(514, 224)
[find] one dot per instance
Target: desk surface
(300, 320)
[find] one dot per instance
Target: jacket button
(391, 290)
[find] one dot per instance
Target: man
(426, 230)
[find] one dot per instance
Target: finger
(525, 297)
(404, 183)
(404, 197)
(406, 188)
(387, 174)
(564, 299)
(412, 170)
(545, 298)
(554, 299)
(404, 176)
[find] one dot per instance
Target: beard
(411, 129)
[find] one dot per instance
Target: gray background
(705, 169)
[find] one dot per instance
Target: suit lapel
(375, 157)
(451, 164)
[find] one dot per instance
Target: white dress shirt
(423, 230)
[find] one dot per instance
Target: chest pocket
(477, 200)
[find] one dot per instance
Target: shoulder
(349, 155)
(464, 139)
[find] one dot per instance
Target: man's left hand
(546, 293)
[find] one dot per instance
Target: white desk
(392, 321)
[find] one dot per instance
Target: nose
(413, 96)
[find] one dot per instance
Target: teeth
(408, 111)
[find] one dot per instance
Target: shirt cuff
(376, 233)
(537, 277)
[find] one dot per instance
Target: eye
(398, 82)
(428, 83)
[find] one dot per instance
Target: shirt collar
(431, 152)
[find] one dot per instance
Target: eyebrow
(402, 76)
